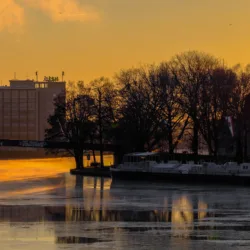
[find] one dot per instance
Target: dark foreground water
(59, 211)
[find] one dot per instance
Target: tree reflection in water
(130, 209)
(95, 201)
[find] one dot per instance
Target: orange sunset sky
(92, 38)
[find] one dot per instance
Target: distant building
(25, 106)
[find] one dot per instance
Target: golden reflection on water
(92, 207)
(12, 170)
(202, 208)
(182, 216)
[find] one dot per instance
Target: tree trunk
(100, 129)
(101, 150)
(195, 141)
(170, 143)
(78, 158)
(216, 143)
(93, 151)
(239, 148)
(140, 145)
(94, 157)
(245, 141)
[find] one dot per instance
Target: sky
(91, 38)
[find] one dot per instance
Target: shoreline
(99, 172)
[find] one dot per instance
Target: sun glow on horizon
(89, 40)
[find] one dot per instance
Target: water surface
(43, 207)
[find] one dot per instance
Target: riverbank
(100, 172)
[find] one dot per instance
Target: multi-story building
(25, 106)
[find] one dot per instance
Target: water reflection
(90, 199)
(90, 210)
(96, 203)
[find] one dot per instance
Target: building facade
(25, 106)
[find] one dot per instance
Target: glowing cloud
(11, 16)
(64, 10)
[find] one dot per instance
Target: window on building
(31, 117)
(31, 136)
(15, 107)
(15, 100)
(14, 94)
(7, 100)
(7, 105)
(23, 93)
(31, 106)
(15, 124)
(15, 117)
(31, 94)
(6, 94)
(23, 118)
(23, 106)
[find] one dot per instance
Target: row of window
(17, 102)
(22, 111)
(17, 115)
(41, 85)
(24, 136)
(18, 123)
(8, 118)
(8, 94)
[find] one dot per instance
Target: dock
(100, 172)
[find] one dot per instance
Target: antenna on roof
(37, 76)
(62, 75)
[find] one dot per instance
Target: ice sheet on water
(63, 212)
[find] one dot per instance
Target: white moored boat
(147, 166)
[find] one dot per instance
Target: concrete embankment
(101, 172)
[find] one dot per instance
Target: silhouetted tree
(72, 121)
(214, 106)
(104, 95)
(175, 120)
(241, 91)
(191, 71)
(140, 109)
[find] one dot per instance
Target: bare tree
(175, 120)
(104, 95)
(191, 70)
(72, 121)
(214, 106)
(140, 108)
(241, 91)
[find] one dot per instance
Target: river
(43, 207)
